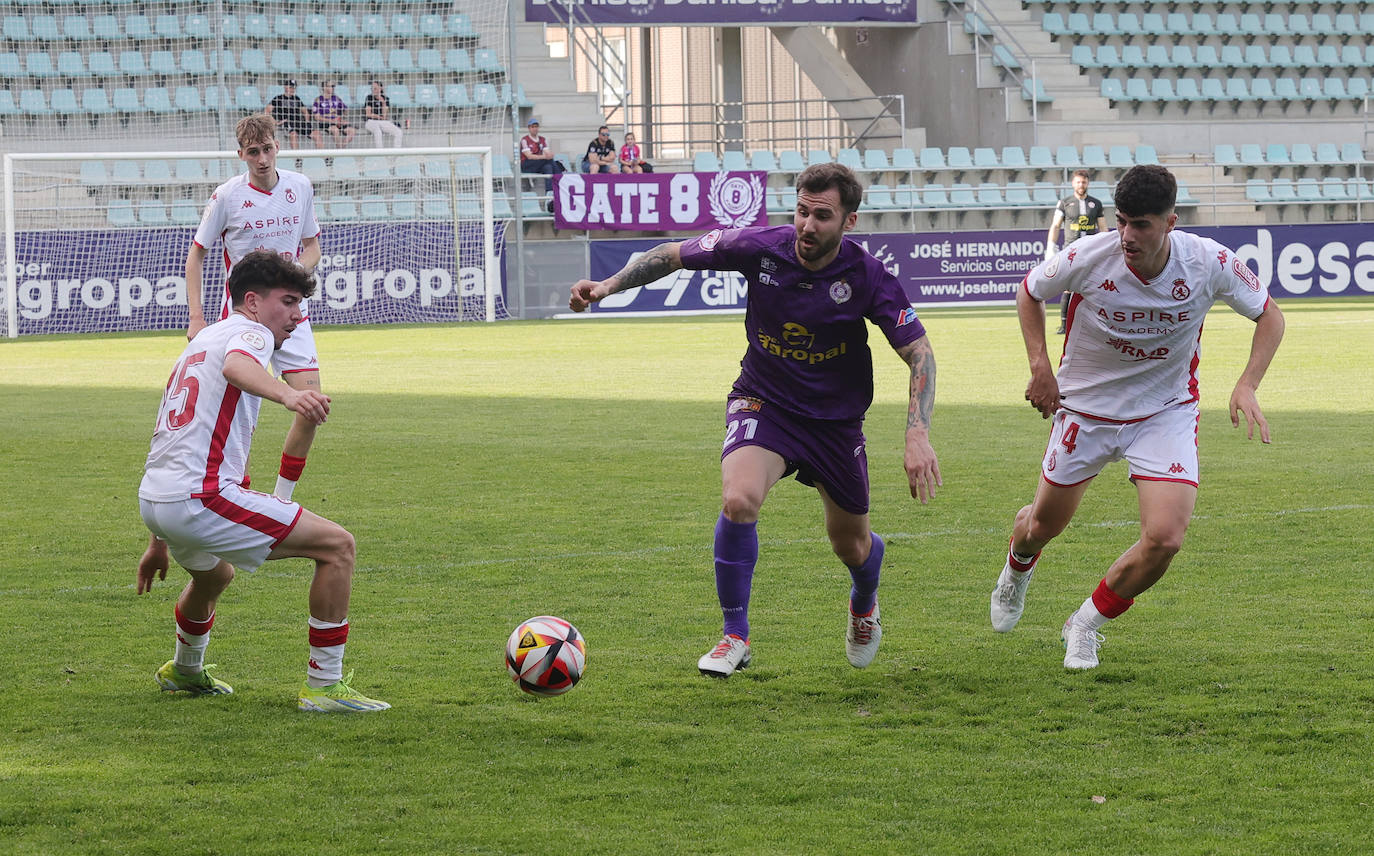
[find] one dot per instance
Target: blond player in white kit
(1127, 388)
(192, 496)
(265, 208)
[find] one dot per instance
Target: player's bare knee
(1162, 545)
(740, 507)
(851, 551)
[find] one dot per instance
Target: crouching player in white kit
(1127, 388)
(264, 208)
(192, 495)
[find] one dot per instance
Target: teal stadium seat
(733, 161)
(878, 197)
(456, 97)
(932, 159)
(374, 209)
(77, 28)
(763, 159)
(1282, 192)
(286, 27)
(94, 102)
(1334, 189)
(316, 26)
(371, 61)
(790, 161)
(849, 157)
(1067, 156)
(1018, 195)
(985, 158)
(484, 95)
(33, 102)
(167, 26)
(1308, 190)
(815, 156)
(64, 102)
(904, 159)
(1120, 157)
(1014, 158)
(158, 100)
(705, 162)
(403, 206)
(284, 61)
(458, 60)
(184, 212)
(1040, 157)
(875, 160)
(120, 213)
(151, 212)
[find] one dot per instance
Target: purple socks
(737, 551)
(864, 593)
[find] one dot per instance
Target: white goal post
(97, 241)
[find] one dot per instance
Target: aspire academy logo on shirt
(271, 223)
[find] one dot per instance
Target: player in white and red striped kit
(193, 498)
(1127, 388)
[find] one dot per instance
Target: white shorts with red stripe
(1162, 447)
(239, 526)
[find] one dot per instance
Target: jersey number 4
(1070, 439)
(179, 402)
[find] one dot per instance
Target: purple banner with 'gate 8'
(649, 13)
(659, 202)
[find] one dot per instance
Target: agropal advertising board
(983, 268)
(104, 280)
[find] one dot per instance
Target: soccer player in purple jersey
(805, 383)
(1127, 387)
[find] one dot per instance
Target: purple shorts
(820, 452)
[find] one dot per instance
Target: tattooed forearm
(654, 264)
(919, 356)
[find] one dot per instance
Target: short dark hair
(820, 177)
(1082, 172)
(1146, 189)
(605, 128)
(263, 270)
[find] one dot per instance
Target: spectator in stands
(332, 115)
(292, 115)
(600, 156)
(1081, 215)
(377, 113)
(632, 156)
(536, 155)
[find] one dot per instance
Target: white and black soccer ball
(545, 656)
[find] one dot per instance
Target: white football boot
(1009, 597)
(1080, 645)
(730, 653)
(862, 636)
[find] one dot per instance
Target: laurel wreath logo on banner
(734, 201)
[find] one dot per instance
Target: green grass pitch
(495, 472)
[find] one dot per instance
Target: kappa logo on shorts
(752, 405)
(1177, 468)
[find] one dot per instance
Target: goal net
(97, 242)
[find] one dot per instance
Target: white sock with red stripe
(327, 640)
(288, 475)
(193, 637)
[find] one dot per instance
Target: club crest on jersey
(1052, 267)
(709, 240)
(291, 196)
(840, 291)
(752, 405)
(1181, 290)
(906, 316)
(253, 339)
(1246, 275)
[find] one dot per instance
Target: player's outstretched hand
(152, 564)
(922, 467)
(1043, 393)
(1243, 400)
(311, 404)
(584, 294)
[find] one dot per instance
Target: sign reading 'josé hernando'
(648, 13)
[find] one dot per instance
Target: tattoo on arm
(919, 356)
(654, 264)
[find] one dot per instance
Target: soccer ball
(545, 656)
